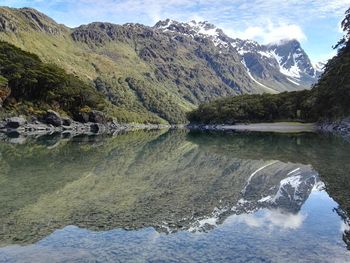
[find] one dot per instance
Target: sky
(315, 23)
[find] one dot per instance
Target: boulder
(15, 122)
(53, 118)
(97, 117)
(34, 119)
(67, 121)
(92, 116)
(97, 128)
(82, 117)
(94, 127)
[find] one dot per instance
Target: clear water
(175, 196)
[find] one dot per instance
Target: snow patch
(257, 82)
(293, 181)
(265, 54)
(293, 71)
(295, 170)
(294, 82)
(200, 224)
(200, 29)
(318, 187)
(264, 199)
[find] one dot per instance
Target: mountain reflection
(171, 181)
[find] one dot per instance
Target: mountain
(152, 74)
(284, 66)
(294, 62)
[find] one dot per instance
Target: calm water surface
(175, 196)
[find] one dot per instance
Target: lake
(175, 196)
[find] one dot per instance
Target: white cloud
(269, 33)
(237, 12)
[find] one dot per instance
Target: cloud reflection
(270, 219)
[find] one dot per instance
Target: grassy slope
(79, 59)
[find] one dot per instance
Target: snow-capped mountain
(196, 29)
(280, 66)
(294, 62)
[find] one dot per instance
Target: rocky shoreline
(95, 123)
(52, 122)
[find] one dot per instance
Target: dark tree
(344, 42)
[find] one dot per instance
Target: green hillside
(143, 76)
(35, 87)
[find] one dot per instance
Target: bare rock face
(39, 21)
(6, 25)
(11, 20)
